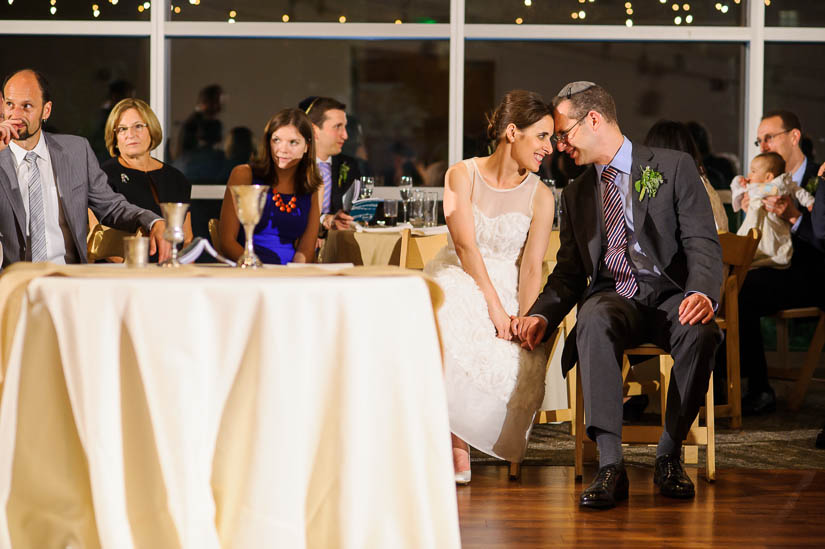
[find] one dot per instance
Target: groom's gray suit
(81, 184)
(676, 231)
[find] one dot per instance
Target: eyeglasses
(768, 138)
(137, 126)
(561, 137)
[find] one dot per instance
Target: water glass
(136, 250)
(390, 212)
(417, 209)
(405, 189)
(367, 187)
(430, 209)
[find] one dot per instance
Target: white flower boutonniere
(649, 183)
(124, 178)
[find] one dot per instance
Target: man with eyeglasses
(643, 263)
(781, 132)
(49, 181)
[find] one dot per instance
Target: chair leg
(811, 360)
(515, 471)
(572, 396)
(665, 364)
(710, 422)
(579, 421)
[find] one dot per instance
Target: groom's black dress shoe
(757, 403)
(609, 486)
(671, 478)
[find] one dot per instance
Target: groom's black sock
(610, 447)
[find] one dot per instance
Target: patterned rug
(781, 440)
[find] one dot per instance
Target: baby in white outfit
(767, 178)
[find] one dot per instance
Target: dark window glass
(396, 94)
(677, 81)
(83, 92)
(75, 10)
(795, 13)
(793, 81)
(352, 11)
(608, 12)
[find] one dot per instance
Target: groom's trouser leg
(606, 325)
(693, 349)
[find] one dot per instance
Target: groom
(640, 257)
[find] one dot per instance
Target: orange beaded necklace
(279, 202)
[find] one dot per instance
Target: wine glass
(405, 190)
(249, 205)
(174, 213)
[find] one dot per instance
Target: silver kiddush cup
(249, 205)
(174, 213)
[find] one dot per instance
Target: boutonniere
(124, 178)
(649, 183)
(812, 184)
(343, 171)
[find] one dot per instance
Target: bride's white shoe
(463, 478)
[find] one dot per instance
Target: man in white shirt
(781, 132)
(48, 181)
(338, 171)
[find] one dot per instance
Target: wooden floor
(743, 508)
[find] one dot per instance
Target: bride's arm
(458, 210)
(529, 277)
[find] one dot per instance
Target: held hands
(695, 308)
(157, 243)
(529, 329)
(501, 320)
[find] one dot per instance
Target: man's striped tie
(326, 175)
(616, 256)
(37, 214)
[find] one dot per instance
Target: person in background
(718, 169)
(208, 107)
(238, 147)
(205, 164)
(132, 133)
(669, 134)
(36, 165)
(288, 229)
(338, 171)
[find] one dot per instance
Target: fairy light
(629, 23)
(233, 13)
(582, 15)
(686, 7)
(574, 15)
(725, 8)
(398, 21)
(146, 5)
(519, 20)
(675, 7)
(689, 19)
(767, 2)
(95, 10)
(629, 11)
(285, 18)
(528, 3)
(628, 5)
(230, 20)
(177, 9)
(677, 20)
(342, 19)
(140, 9)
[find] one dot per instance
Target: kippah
(575, 87)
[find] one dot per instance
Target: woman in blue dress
(288, 229)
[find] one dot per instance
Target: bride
(499, 215)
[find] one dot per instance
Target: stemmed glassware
(405, 189)
(249, 205)
(174, 214)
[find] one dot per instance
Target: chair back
(215, 235)
(423, 248)
(737, 255)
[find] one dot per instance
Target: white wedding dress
(494, 387)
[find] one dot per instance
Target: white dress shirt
(57, 230)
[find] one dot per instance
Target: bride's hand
(501, 320)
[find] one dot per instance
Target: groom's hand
(695, 308)
(530, 330)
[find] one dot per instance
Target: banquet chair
(103, 241)
(737, 254)
(215, 235)
(803, 375)
(422, 249)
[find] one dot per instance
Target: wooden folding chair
(803, 375)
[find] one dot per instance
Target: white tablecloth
(214, 412)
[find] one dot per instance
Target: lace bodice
(501, 216)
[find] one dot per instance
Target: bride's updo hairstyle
(519, 107)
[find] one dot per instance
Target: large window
(795, 13)
(794, 82)
(107, 69)
(331, 11)
(396, 92)
(74, 10)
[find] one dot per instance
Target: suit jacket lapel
(593, 222)
(11, 188)
(62, 176)
(641, 159)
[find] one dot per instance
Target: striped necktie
(326, 176)
(616, 256)
(37, 213)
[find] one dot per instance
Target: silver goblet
(174, 213)
(249, 205)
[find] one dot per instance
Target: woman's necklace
(279, 202)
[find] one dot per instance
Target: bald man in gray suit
(48, 181)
